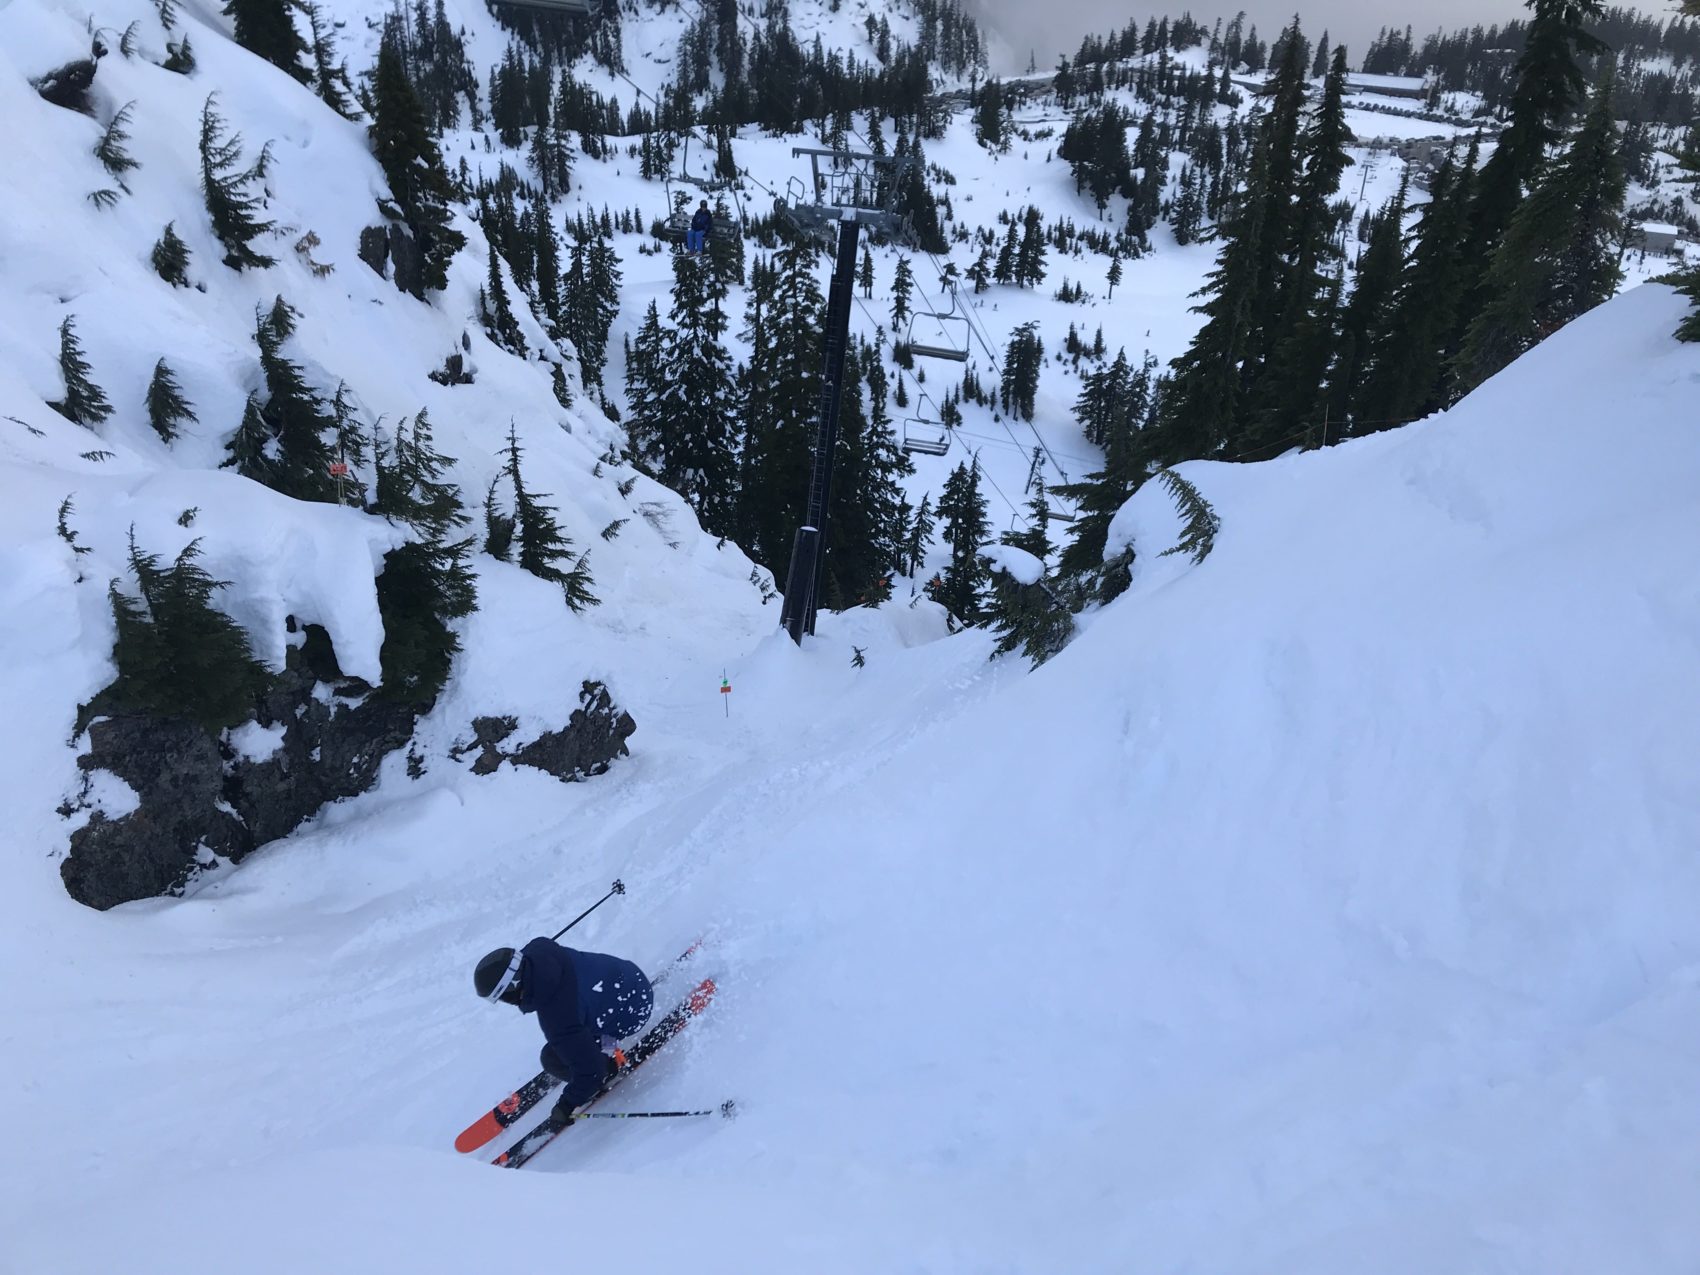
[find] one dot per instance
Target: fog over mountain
(1056, 27)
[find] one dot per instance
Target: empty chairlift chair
(939, 334)
(929, 438)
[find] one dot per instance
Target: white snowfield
(1326, 907)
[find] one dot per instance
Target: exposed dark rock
(198, 795)
(392, 254)
(177, 771)
(374, 250)
(593, 737)
(196, 792)
(68, 85)
(331, 749)
(453, 372)
(595, 734)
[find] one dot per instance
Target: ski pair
(670, 1025)
(528, 1095)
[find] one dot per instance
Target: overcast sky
(1056, 26)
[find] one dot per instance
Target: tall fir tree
(1410, 359)
(267, 27)
(297, 418)
(1559, 255)
(330, 77)
(412, 163)
(232, 203)
(427, 583)
(1373, 287)
(167, 407)
(781, 390)
(647, 360)
(1102, 493)
(542, 547)
(170, 257)
(84, 402)
(962, 509)
(1549, 85)
(698, 400)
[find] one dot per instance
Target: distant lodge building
(1388, 85)
(1655, 238)
(1412, 88)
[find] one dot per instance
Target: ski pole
(619, 888)
(724, 1109)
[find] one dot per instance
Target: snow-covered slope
(1324, 907)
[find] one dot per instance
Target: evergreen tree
(698, 400)
(963, 510)
(499, 322)
(166, 405)
(865, 276)
(351, 445)
(296, 418)
(1023, 359)
(1114, 277)
(425, 584)
(265, 27)
(1026, 616)
(1549, 86)
(592, 300)
(781, 392)
(170, 257)
(647, 359)
(989, 126)
(1103, 492)
(1289, 391)
(1408, 372)
(412, 163)
(1559, 255)
(1373, 289)
(110, 150)
(232, 204)
(177, 654)
(544, 549)
(84, 402)
(902, 288)
(498, 526)
(919, 538)
(1030, 257)
(330, 78)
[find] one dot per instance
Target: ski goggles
(508, 977)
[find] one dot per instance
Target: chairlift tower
(851, 189)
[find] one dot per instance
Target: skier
(585, 1003)
(696, 238)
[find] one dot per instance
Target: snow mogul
(585, 1002)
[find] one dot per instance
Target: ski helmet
(497, 972)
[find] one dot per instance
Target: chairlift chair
(938, 326)
(929, 438)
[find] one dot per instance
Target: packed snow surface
(1325, 907)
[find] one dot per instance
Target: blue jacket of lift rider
(580, 997)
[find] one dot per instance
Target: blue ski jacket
(580, 997)
(704, 220)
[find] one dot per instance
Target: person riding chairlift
(696, 238)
